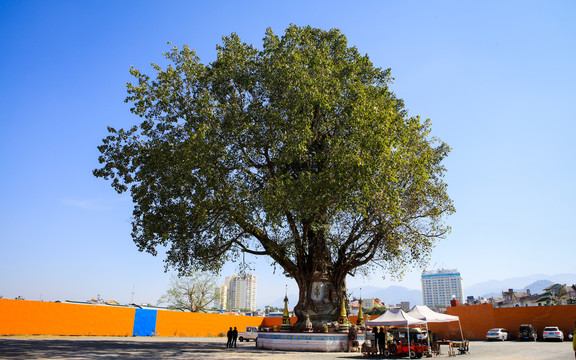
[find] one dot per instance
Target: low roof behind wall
(476, 320)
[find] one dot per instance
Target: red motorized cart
(417, 350)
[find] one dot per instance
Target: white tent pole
(408, 334)
(428, 336)
(461, 334)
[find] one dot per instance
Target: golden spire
(343, 320)
(286, 315)
(360, 320)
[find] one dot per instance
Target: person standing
(381, 340)
(374, 338)
(229, 334)
(234, 336)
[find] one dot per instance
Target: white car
(497, 334)
(552, 333)
(251, 333)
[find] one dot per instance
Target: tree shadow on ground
(125, 349)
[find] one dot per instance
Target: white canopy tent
(396, 317)
(423, 312)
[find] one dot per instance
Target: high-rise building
(242, 291)
(440, 286)
(221, 301)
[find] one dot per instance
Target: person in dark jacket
(234, 336)
(375, 335)
(381, 339)
(229, 334)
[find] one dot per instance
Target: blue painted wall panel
(144, 322)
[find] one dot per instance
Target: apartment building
(221, 301)
(241, 292)
(440, 286)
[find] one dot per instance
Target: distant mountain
(391, 295)
(536, 283)
(279, 303)
(537, 286)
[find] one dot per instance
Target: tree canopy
(298, 151)
(195, 292)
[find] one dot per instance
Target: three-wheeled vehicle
(399, 346)
(417, 350)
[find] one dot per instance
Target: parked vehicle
(552, 333)
(497, 334)
(399, 334)
(251, 333)
(399, 346)
(527, 332)
(416, 350)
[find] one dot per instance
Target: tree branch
(249, 251)
(272, 248)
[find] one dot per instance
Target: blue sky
(496, 78)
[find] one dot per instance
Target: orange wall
(478, 319)
(271, 321)
(276, 320)
(174, 323)
(19, 317)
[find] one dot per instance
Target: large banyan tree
(298, 151)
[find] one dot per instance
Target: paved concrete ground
(152, 348)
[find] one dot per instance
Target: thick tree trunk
(320, 297)
(322, 286)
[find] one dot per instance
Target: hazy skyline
(495, 78)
